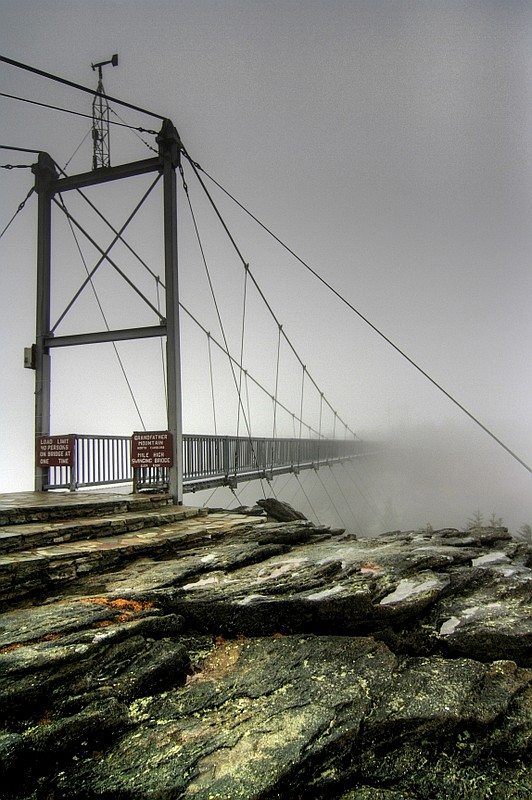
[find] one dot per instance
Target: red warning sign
(151, 449)
(55, 451)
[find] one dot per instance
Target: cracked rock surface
(277, 660)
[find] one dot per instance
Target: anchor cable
(78, 114)
(19, 209)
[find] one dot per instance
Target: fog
(444, 475)
(387, 142)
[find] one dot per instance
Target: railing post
(169, 153)
(225, 456)
(74, 466)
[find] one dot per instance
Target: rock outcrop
(263, 660)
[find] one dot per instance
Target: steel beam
(107, 174)
(169, 152)
(45, 175)
(97, 337)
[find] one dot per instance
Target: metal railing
(207, 461)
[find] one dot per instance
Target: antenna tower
(100, 120)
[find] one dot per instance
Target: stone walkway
(27, 506)
(47, 539)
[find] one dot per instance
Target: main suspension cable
(383, 336)
(73, 85)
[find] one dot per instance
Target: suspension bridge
(169, 459)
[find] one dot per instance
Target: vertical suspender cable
(301, 413)
(212, 384)
(274, 428)
(319, 427)
(204, 259)
(247, 399)
(196, 167)
(274, 398)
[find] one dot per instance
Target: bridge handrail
(101, 460)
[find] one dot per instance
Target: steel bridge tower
(47, 185)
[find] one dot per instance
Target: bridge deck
(208, 461)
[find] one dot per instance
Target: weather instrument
(100, 120)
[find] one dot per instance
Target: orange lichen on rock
(10, 647)
(129, 609)
(49, 637)
(119, 603)
(369, 566)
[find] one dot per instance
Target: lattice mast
(100, 120)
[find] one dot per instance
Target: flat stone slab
(30, 570)
(19, 507)
(29, 535)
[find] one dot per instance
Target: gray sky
(388, 143)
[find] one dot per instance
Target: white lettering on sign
(55, 451)
(151, 449)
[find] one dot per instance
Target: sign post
(151, 450)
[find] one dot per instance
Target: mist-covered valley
(439, 475)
